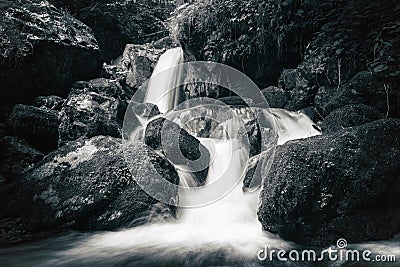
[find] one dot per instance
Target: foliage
(120, 22)
(337, 38)
(228, 29)
(361, 35)
(160, 9)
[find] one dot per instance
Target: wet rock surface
(252, 177)
(254, 136)
(86, 184)
(37, 125)
(93, 108)
(331, 186)
(178, 146)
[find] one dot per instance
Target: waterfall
(229, 225)
(161, 89)
(225, 232)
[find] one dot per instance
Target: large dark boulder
(43, 50)
(93, 108)
(178, 146)
(86, 184)
(16, 157)
(37, 125)
(349, 116)
(118, 23)
(344, 185)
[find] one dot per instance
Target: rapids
(224, 232)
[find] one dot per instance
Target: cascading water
(159, 92)
(292, 125)
(224, 232)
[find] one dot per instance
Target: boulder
(137, 62)
(349, 116)
(93, 108)
(16, 157)
(343, 185)
(276, 97)
(118, 23)
(50, 102)
(179, 147)
(87, 185)
(254, 136)
(44, 50)
(37, 125)
(365, 88)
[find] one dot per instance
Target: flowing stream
(225, 232)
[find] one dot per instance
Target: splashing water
(293, 125)
(228, 226)
(225, 232)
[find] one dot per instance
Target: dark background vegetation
(68, 69)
